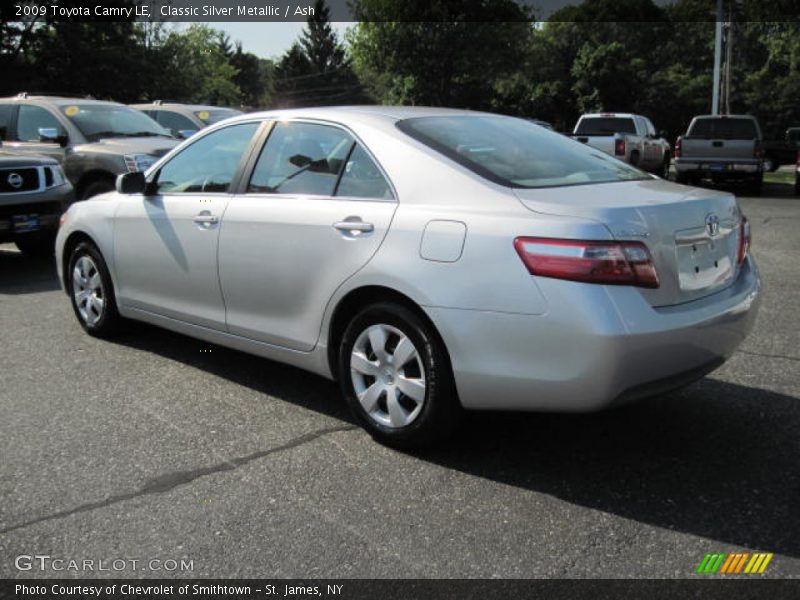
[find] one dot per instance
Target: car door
(27, 138)
(313, 212)
(165, 242)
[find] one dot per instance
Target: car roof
(59, 100)
(613, 115)
(180, 105)
(725, 117)
(355, 113)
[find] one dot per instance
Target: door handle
(206, 219)
(350, 226)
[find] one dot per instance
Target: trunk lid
(692, 233)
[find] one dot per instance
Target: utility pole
(726, 101)
(717, 60)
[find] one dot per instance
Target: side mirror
(131, 183)
(51, 135)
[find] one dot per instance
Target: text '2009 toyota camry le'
(430, 260)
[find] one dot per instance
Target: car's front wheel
(396, 377)
(91, 291)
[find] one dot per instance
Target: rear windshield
(516, 153)
(723, 129)
(605, 126)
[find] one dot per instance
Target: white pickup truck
(628, 137)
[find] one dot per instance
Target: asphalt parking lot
(157, 446)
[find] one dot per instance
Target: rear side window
(362, 178)
(724, 129)
(301, 158)
(32, 118)
(605, 126)
(516, 153)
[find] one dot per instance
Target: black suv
(94, 141)
(33, 194)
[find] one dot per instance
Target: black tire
(109, 321)
(37, 247)
(682, 178)
(440, 412)
(756, 185)
(664, 170)
(100, 186)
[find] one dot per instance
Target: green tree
(438, 52)
(315, 70)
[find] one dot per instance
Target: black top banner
(393, 10)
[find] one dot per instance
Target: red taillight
(758, 150)
(619, 147)
(678, 147)
(744, 240)
(614, 263)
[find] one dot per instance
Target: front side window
(301, 158)
(209, 164)
(31, 119)
(516, 153)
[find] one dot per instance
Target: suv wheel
(101, 186)
(396, 377)
(40, 247)
(91, 291)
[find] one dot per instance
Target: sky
(269, 40)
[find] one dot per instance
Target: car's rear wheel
(91, 291)
(396, 377)
(40, 247)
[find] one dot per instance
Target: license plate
(24, 223)
(717, 167)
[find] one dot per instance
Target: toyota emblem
(15, 180)
(712, 224)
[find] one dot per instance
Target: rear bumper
(718, 168)
(595, 347)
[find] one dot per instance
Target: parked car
(781, 152)
(94, 141)
(429, 259)
(724, 147)
(629, 137)
(33, 194)
(184, 120)
(797, 175)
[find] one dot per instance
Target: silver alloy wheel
(388, 375)
(87, 288)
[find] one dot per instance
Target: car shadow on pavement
(716, 459)
(20, 274)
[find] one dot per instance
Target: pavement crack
(170, 481)
(764, 355)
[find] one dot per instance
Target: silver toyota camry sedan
(430, 260)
